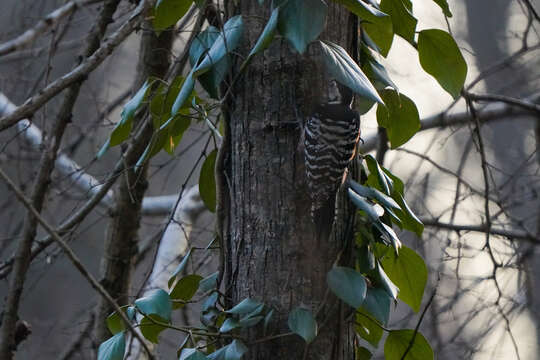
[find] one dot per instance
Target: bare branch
(43, 25)
(86, 67)
(482, 228)
(72, 257)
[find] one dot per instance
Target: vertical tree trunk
(273, 254)
(122, 234)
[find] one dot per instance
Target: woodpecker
(330, 137)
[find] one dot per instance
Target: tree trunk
(273, 254)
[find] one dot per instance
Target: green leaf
(348, 285)
(157, 302)
(377, 303)
(192, 354)
(235, 350)
(179, 268)
(115, 323)
(227, 41)
(345, 70)
(168, 12)
(363, 10)
(302, 322)
(150, 329)
(388, 235)
(398, 341)
(114, 348)
(403, 21)
(267, 34)
(209, 282)
(408, 218)
(368, 328)
(301, 22)
(207, 182)
(374, 70)
(445, 8)
(381, 33)
(400, 117)
(384, 181)
(441, 58)
(246, 306)
(409, 272)
(361, 353)
(184, 289)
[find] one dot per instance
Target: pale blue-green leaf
(377, 303)
(302, 322)
(113, 349)
(202, 43)
(179, 268)
(267, 34)
(363, 205)
(183, 95)
(192, 354)
(398, 341)
(301, 22)
(209, 282)
(441, 58)
(157, 302)
(374, 194)
(250, 321)
(227, 41)
(228, 325)
(386, 283)
(348, 285)
(244, 307)
(235, 350)
(345, 70)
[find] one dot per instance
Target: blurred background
(488, 297)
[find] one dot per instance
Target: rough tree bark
(122, 235)
(272, 252)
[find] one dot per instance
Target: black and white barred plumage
(330, 138)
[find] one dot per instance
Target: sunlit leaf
(441, 58)
(398, 341)
(400, 117)
(409, 272)
(168, 12)
(403, 21)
